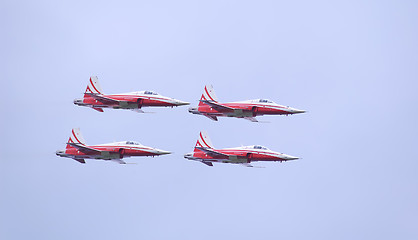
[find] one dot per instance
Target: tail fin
(204, 140)
(76, 137)
(94, 86)
(208, 94)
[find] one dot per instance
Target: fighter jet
(249, 109)
(78, 150)
(204, 152)
(96, 99)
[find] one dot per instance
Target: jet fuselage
(111, 151)
(77, 149)
(96, 99)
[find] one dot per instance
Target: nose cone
(161, 152)
(180, 103)
(288, 157)
(188, 155)
(294, 110)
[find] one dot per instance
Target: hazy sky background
(351, 64)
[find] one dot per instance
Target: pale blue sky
(351, 64)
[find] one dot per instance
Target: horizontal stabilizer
(98, 109)
(80, 160)
(208, 163)
(214, 118)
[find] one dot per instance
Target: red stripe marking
(135, 97)
(94, 86)
(206, 90)
(204, 141)
(75, 136)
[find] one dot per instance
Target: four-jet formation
(249, 109)
(204, 152)
(78, 150)
(94, 98)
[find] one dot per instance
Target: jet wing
(108, 100)
(212, 152)
(118, 161)
(104, 99)
(216, 105)
(85, 149)
(252, 119)
(246, 165)
(249, 165)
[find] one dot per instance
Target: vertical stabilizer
(204, 140)
(94, 86)
(76, 137)
(208, 94)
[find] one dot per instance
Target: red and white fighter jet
(249, 109)
(94, 98)
(78, 150)
(204, 152)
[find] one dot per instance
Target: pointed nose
(161, 152)
(181, 103)
(294, 110)
(288, 157)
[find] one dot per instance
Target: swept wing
(217, 105)
(252, 119)
(213, 153)
(108, 100)
(85, 149)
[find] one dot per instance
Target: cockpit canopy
(260, 147)
(132, 143)
(150, 93)
(265, 101)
